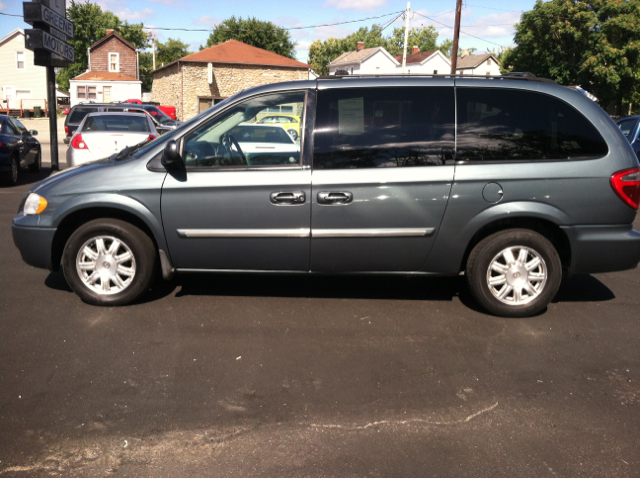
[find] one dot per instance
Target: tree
(166, 52)
(595, 44)
(257, 33)
(321, 53)
(91, 24)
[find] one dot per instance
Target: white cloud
(207, 20)
(2, 6)
(366, 5)
(119, 8)
(493, 25)
(165, 2)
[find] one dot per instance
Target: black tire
(36, 166)
(10, 178)
(484, 253)
(138, 243)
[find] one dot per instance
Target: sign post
(48, 40)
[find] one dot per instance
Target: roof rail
(527, 76)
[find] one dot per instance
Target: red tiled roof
(106, 37)
(416, 57)
(104, 76)
(233, 51)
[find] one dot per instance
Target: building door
(106, 94)
(8, 96)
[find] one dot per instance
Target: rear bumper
(599, 249)
(35, 244)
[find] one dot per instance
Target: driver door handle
(288, 198)
(334, 197)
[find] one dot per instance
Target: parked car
(78, 112)
(18, 149)
(168, 110)
(291, 123)
(101, 135)
(630, 127)
(512, 181)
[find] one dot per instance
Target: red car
(170, 111)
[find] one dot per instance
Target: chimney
(465, 53)
(415, 49)
(109, 32)
(360, 46)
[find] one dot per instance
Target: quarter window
(501, 124)
(384, 127)
(238, 138)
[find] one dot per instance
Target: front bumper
(35, 244)
(600, 249)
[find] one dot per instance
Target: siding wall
(32, 78)
(100, 57)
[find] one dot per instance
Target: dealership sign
(51, 30)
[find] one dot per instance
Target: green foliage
(257, 33)
(166, 53)
(321, 53)
(595, 44)
(91, 24)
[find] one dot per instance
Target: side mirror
(33, 132)
(171, 158)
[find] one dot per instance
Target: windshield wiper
(128, 150)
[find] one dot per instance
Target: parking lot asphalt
(265, 375)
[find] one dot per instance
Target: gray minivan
(511, 181)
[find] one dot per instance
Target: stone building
(196, 82)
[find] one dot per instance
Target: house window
(435, 72)
(20, 60)
(488, 61)
(106, 90)
(91, 92)
(86, 93)
(82, 94)
(114, 62)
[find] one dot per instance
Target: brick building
(196, 82)
(113, 73)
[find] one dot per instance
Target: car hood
(71, 172)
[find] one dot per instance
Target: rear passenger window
(384, 127)
(501, 124)
(78, 114)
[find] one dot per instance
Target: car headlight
(35, 204)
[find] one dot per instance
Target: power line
(491, 8)
(467, 34)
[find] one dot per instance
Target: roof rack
(527, 76)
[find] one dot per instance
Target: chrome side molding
(371, 232)
(306, 233)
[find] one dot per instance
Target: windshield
(158, 114)
(120, 123)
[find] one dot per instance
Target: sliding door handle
(334, 197)
(288, 198)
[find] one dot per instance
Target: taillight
(626, 184)
(151, 137)
(66, 130)
(78, 143)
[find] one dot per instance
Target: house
(113, 74)
(23, 84)
(364, 61)
(433, 62)
(484, 64)
(196, 82)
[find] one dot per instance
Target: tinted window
(158, 114)
(626, 126)
(18, 126)
(78, 114)
(384, 127)
(132, 124)
(260, 134)
(501, 124)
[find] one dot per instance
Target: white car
(103, 134)
(266, 144)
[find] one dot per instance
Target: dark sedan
(630, 127)
(18, 149)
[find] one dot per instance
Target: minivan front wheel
(109, 262)
(514, 273)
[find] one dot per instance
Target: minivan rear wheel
(108, 262)
(514, 273)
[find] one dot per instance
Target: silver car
(101, 135)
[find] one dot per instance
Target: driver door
(243, 201)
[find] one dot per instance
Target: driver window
(240, 137)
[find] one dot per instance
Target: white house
(23, 84)
(105, 87)
(433, 62)
(364, 61)
(484, 64)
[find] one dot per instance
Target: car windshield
(158, 114)
(120, 123)
(260, 134)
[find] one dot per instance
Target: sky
(490, 21)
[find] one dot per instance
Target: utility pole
(153, 41)
(407, 13)
(456, 36)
